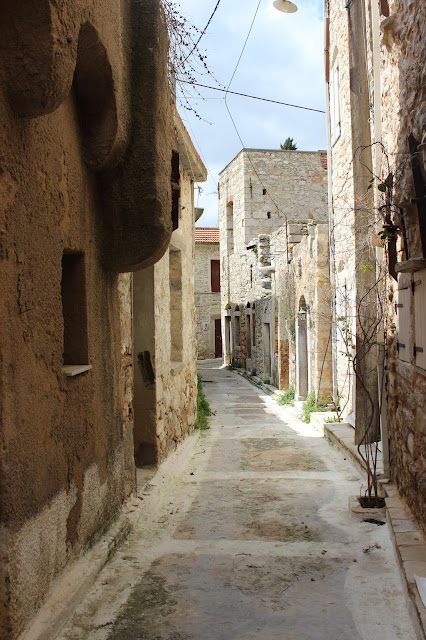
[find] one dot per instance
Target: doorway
(217, 338)
(302, 351)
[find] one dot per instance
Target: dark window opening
(264, 192)
(175, 180)
(268, 215)
(215, 275)
(73, 290)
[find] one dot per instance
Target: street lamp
(285, 5)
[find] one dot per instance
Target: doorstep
(410, 549)
(342, 434)
(409, 542)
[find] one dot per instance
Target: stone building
(272, 308)
(207, 293)
(164, 326)
(375, 70)
(89, 192)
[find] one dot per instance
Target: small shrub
(286, 396)
(267, 381)
(253, 372)
(333, 419)
(203, 408)
(310, 406)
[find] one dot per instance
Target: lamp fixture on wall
(285, 5)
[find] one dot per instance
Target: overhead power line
(244, 46)
(247, 95)
(202, 33)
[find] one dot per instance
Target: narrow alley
(245, 532)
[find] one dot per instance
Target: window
(335, 125)
(176, 322)
(248, 334)
(215, 275)
(230, 227)
(419, 288)
(402, 308)
(73, 291)
(237, 327)
(175, 180)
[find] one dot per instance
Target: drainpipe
(331, 264)
(377, 128)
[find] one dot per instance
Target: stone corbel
(38, 45)
(137, 195)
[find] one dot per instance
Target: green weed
(203, 408)
(310, 406)
(286, 396)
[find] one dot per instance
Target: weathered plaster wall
(66, 461)
(164, 327)
(207, 302)
(60, 435)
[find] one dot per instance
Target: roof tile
(206, 234)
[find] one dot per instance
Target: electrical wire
(202, 33)
(247, 95)
(244, 46)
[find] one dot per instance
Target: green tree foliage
(288, 145)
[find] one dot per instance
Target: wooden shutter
(402, 308)
(215, 275)
(419, 287)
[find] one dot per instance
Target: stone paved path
(251, 537)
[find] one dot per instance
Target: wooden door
(217, 338)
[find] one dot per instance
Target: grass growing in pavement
(203, 408)
(286, 396)
(310, 406)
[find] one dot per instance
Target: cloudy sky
(283, 60)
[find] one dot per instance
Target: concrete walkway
(249, 537)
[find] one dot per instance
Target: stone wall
(382, 99)
(276, 195)
(403, 76)
(302, 291)
(207, 302)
